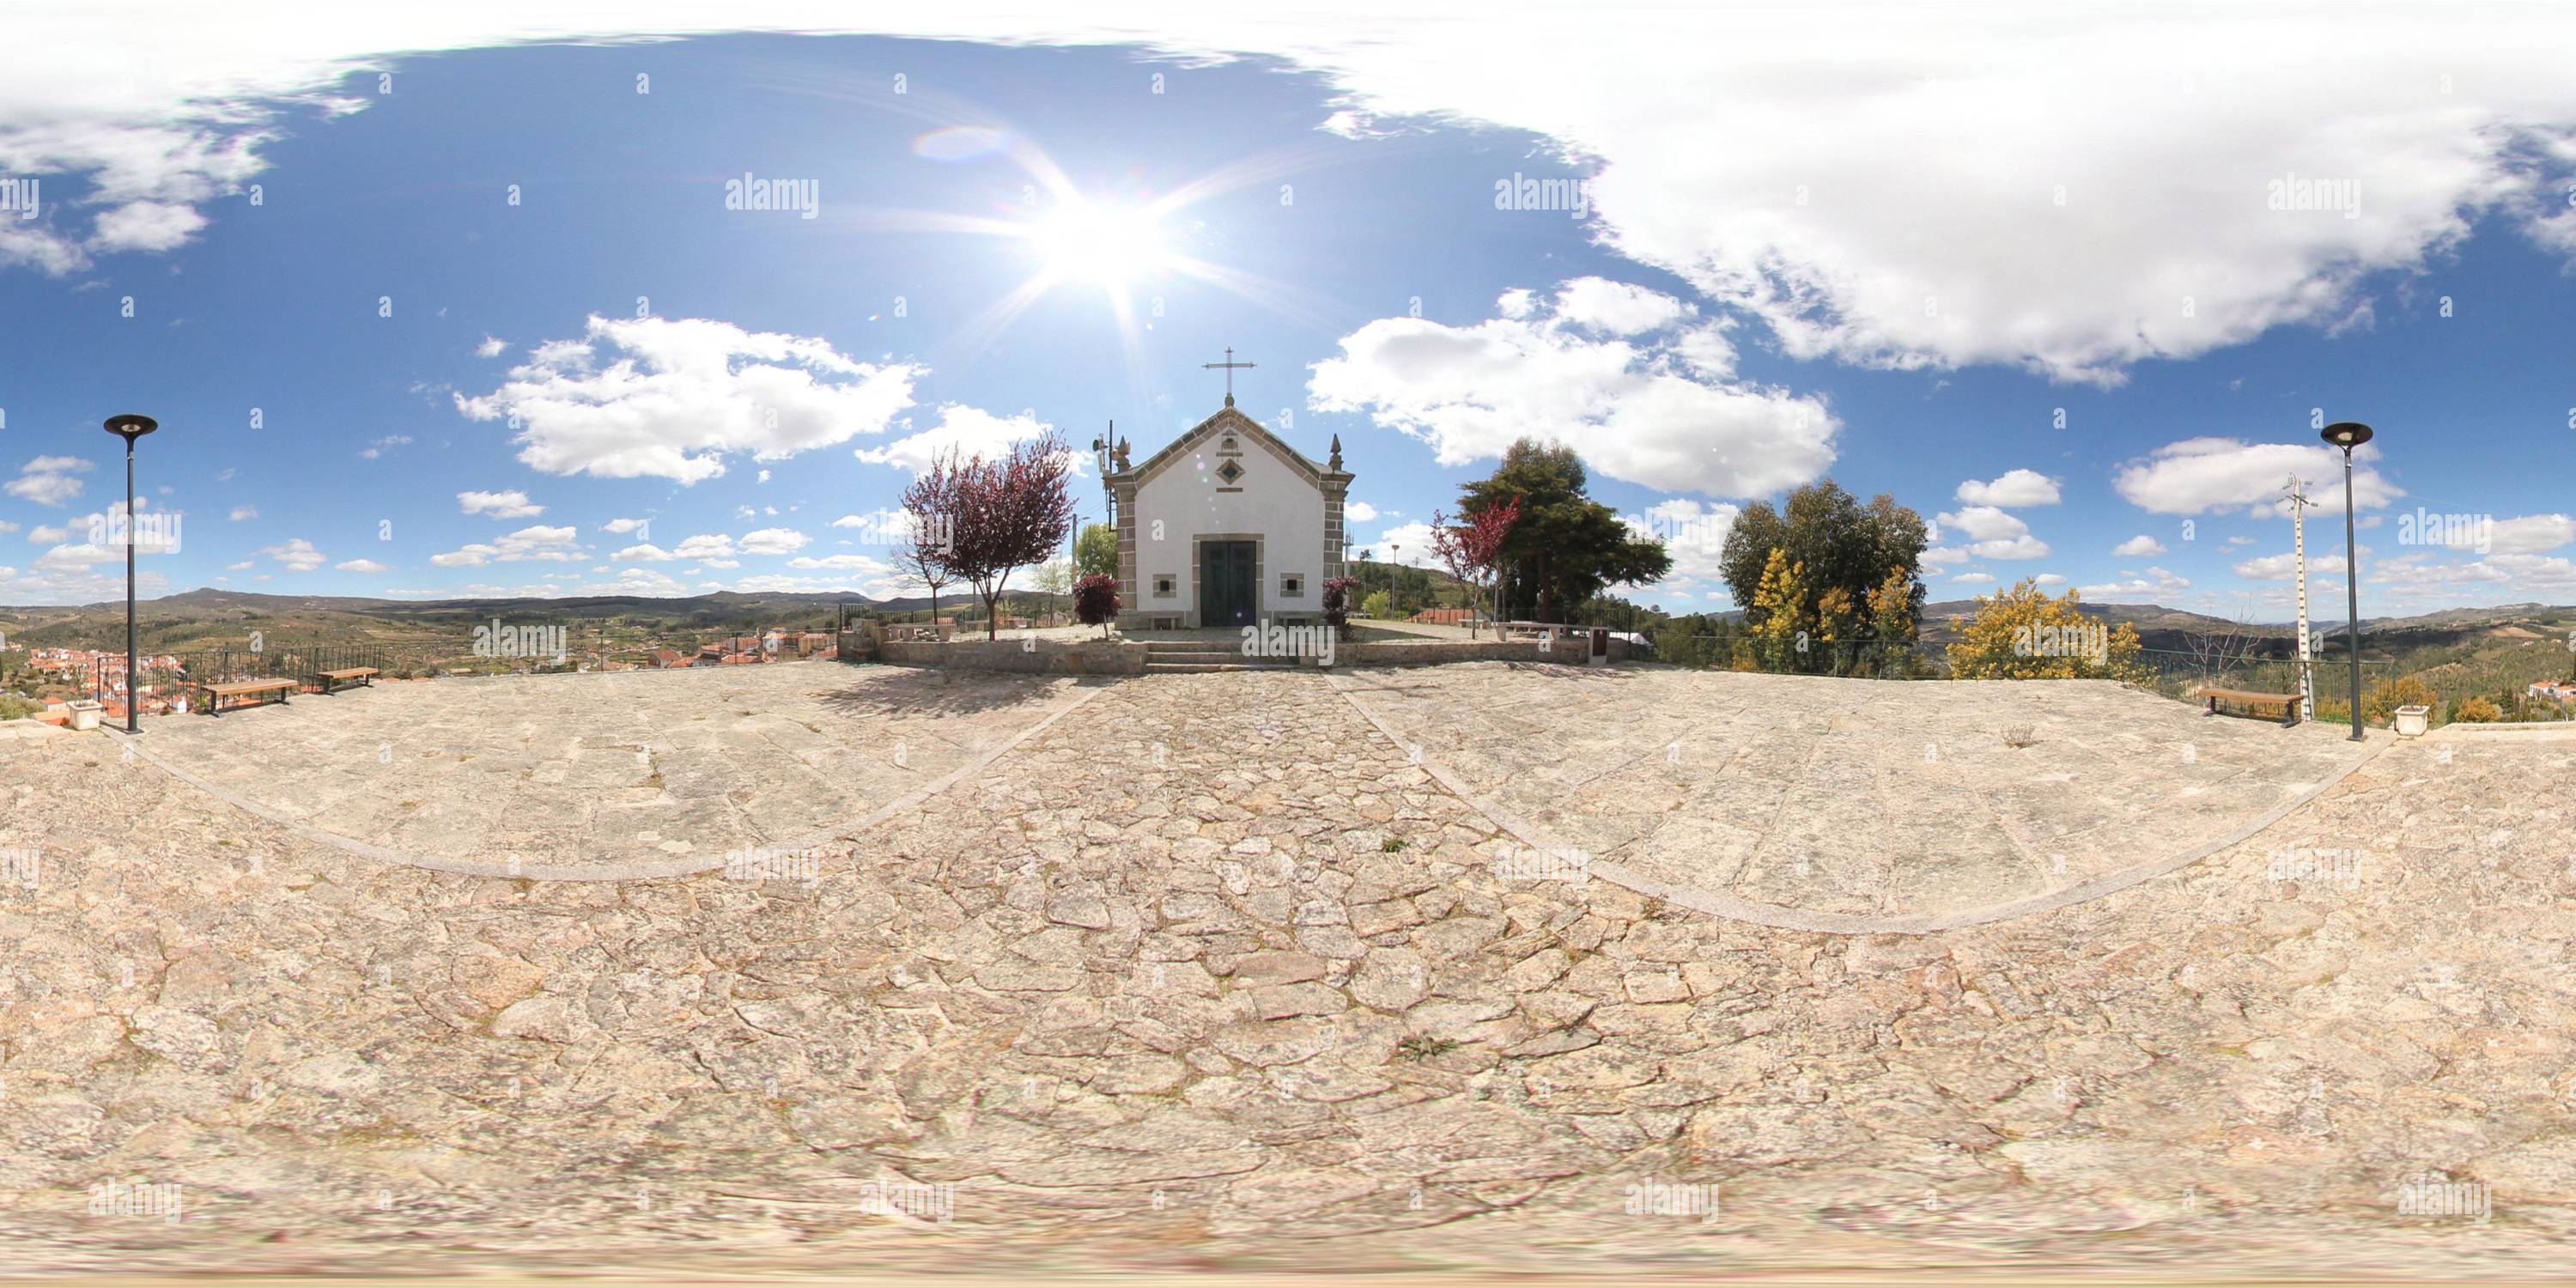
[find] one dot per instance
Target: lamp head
(131, 427)
(2347, 434)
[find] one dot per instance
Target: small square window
(1292, 584)
(1165, 585)
(1229, 472)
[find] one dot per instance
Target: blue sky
(618, 383)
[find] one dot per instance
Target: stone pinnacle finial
(1337, 452)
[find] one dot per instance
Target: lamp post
(2349, 434)
(130, 428)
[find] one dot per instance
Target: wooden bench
(2287, 702)
(216, 693)
(332, 680)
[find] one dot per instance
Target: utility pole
(2299, 504)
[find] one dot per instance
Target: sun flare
(1106, 244)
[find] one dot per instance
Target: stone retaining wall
(1569, 651)
(1048, 657)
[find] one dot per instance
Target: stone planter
(85, 715)
(2412, 721)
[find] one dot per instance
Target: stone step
(1184, 668)
(1199, 655)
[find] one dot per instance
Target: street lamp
(2349, 434)
(130, 428)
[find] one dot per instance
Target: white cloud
(44, 533)
(540, 543)
(1359, 512)
(1616, 308)
(671, 397)
(241, 512)
(377, 448)
(2156, 583)
(773, 541)
(499, 505)
(492, 347)
(2533, 534)
(1974, 579)
(1408, 544)
(1621, 401)
(1993, 534)
(711, 547)
(78, 558)
(860, 563)
(2049, 579)
(2049, 197)
(2141, 546)
(1938, 557)
(244, 566)
(297, 555)
(47, 480)
(2225, 475)
(361, 565)
(2015, 488)
(971, 431)
(2284, 567)
(150, 226)
(621, 527)
(1694, 535)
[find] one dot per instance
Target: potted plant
(2413, 720)
(85, 714)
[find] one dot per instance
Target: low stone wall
(1045, 657)
(1570, 652)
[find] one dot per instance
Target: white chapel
(1226, 527)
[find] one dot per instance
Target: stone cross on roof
(1229, 364)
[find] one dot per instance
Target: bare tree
(930, 506)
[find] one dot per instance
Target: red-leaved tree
(1095, 601)
(1010, 513)
(1474, 549)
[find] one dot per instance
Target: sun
(1109, 245)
